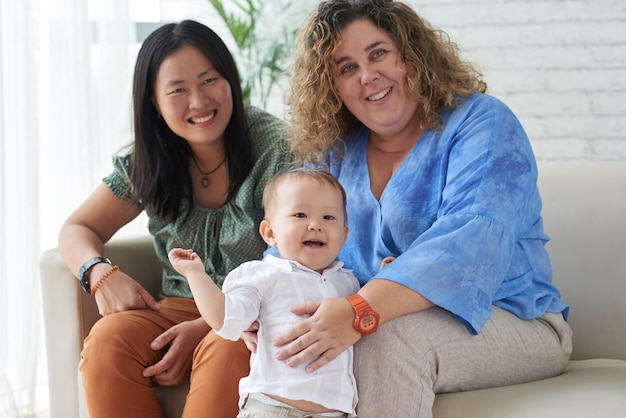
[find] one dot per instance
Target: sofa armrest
(69, 313)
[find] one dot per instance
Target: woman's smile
(203, 119)
(370, 78)
(380, 95)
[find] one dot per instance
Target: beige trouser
(254, 408)
(401, 367)
(117, 351)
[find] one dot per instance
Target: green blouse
(224, 237)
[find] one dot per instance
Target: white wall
(559, 64)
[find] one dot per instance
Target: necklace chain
(205, 176)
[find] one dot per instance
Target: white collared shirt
(265, 291)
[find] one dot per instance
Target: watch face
(368, 323)
(366, 319)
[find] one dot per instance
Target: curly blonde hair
(437, 77)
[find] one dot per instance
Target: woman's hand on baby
(322, 337)
(251, 337)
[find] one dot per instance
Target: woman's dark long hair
(159, 171)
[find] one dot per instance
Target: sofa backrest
(584, 211)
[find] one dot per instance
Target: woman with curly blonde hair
(440, 177)
(436, 75)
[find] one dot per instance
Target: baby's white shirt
(265, 291)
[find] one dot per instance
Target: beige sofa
(584, 213)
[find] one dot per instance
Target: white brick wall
(559, 64)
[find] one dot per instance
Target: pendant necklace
(205, 176)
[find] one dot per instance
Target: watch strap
(84, 269)
(366, 319)
(358, 303)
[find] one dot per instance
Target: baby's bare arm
(209, 298)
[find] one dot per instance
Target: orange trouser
(117, 351)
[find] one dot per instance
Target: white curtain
(65, 70)
(65, 82)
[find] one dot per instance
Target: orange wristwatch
(366, 320)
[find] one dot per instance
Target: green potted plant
(263, 58)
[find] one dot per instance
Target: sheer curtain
(65, 81)
(65, 70)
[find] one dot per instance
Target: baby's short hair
(319, 174)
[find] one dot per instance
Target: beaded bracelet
(106, 275)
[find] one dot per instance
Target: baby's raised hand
(184, 261)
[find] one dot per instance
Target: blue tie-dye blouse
(461, 214)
